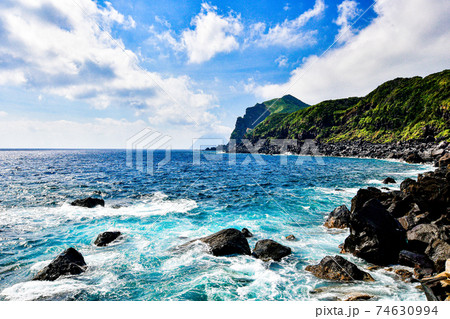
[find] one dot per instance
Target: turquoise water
(275, 197)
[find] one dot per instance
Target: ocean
(187, 198)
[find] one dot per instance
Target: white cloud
(409, 37)
(290, 33)
(3, 114)
(282, 61)
(286, 7)
(348, 10)
(212, 34)
(56, 47)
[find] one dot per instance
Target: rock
(414, 158)
(444, 160)
(375, 235)
(246, 233)
(267, 249)
(437, 152)
(70, 262)
(88, 202)
(225, 242)
(439, 252)
(359, 297)
(434, 291)
(364, 195)
(421, 236)
(107, 237)
(389, 180)
(422, 265)
(404, 274)
(406, 184)
(339, 269)
(291, 238)
(338, 218)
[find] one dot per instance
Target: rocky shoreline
(413, 151)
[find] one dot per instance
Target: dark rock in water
(70, 262)
(439, 252)
(338, 268)
(267, 249)
(434, 291)
(225, 242)
(246, 232)
(88, 202)
(359, 297)
(422, 265)
(375, 235)
(414, 158)
(291, 238)
(404, 274)
(364, 195)
(338, 218)
(389, 180)
(406, 184)
(107, 237)
(444, 160)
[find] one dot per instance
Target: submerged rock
(107, 237)
(338, 218)
(291, 238)
(375, 235)
(267, 249)
(88, 202)
(358, 297)
(389, 180)
(338, 268)
(225, 242)
(246, 233)
(70, 262)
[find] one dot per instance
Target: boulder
(414, 158)
(444, 160)
(404, 274)
(88, 202)
(246, 233)
(421, 236)
(339, 269)
(364, 195)
(389, 180)
(226, 242)
(422, 265)
(107, 237)
(338, 218)
(70, 262)
(439, 252)
(358, 297)
(291, 238)
(375, 235)
(406, 184)
(267, 249)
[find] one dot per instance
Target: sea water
(190, 196)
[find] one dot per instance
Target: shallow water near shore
(273, 198)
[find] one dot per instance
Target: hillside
(260, 111)
(401, 109)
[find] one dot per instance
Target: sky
(92, 74)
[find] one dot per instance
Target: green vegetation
(401, 109)
(258, 113)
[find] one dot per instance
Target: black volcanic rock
(246, 233)
(422, 265)
(88, 202)
(389, 180)
(338, 268)
(225, 242)
(70, 262)
(107, 237)
(267, 249)
(338, 218)
(375, 235)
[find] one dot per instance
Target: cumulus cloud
(348, 10)
(211, 34)
(290, 32)
(407, 38)
(65, 48)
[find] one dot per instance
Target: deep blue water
(180, 201)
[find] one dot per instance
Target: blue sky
(81, 73)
